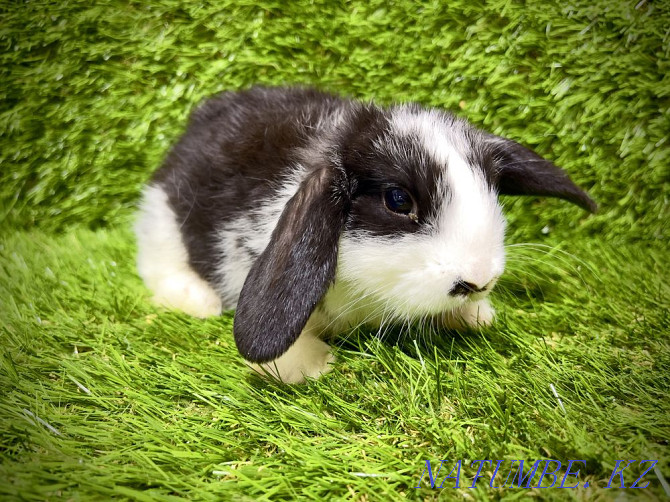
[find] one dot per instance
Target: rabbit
(310, 213)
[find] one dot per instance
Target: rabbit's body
(229, 177)
(311, 213)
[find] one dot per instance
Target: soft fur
(273, 202)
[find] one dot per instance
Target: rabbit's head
(399, 204)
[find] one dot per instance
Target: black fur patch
(514, 169)
(523, 172)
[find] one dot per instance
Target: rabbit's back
(233, 168)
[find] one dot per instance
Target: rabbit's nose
(465, 288)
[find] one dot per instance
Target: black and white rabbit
(310, 213)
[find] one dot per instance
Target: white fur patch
(162, 260)
(475, 313)
(307, 357)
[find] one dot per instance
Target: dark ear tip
(590, 205)
(580, 198)
(249, 341)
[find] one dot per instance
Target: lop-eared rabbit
(309, 213)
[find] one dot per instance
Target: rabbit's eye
(398, 201)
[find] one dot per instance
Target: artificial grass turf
(145, 404)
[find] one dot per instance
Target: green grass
(102, 395)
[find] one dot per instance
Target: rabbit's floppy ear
(521, 171)
(296, 268)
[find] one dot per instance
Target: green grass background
(102, 395)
